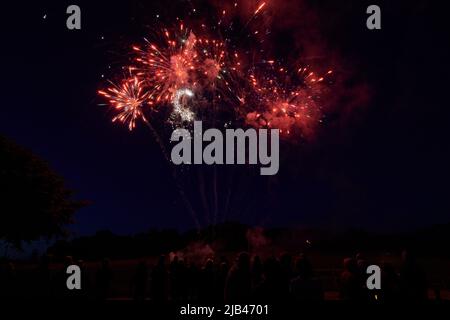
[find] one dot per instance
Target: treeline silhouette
(233, 237)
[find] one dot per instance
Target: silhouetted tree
(34, 200)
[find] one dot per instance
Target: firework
(128, 99)
(216, 70)
(166, 67)
(179, 108)
(243, 86)
(289, 102)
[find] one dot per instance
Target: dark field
(327, 269)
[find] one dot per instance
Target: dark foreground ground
(178, 277)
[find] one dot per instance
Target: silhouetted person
(183, 281)
(238, 283)
(192, 274)
(350, 288)
(178, 280)
(361, 265)
(389, 283)
(8, 280)
(62, 292)
(140, 279)
(222, 274)
(286, 274)
(257, 272)
(159, 280)
(104, 278)
(271, 288)
(304, 287)
(174, 278)
(43, 279)
(412, 279)
(86, 289)
(207, 282)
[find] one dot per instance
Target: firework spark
(261, 6)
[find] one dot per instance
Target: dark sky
(383, 166)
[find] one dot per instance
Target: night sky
(383, 165)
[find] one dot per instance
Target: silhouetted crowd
(247, 279)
